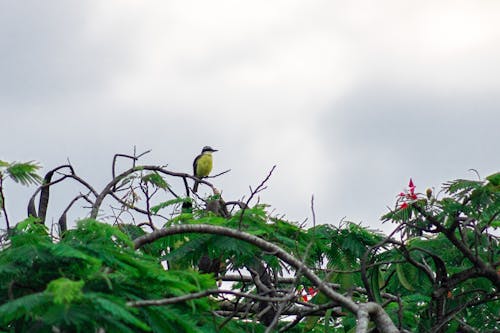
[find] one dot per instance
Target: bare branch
(108, 188)
(48, 182)
(134, 159)
(2, 203)
(219, 174)
(291, 280)
(259, 188)
(62, 219)
(205, 293)
(312, 211)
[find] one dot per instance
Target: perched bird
(202, 165)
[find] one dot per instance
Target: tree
(159, 261)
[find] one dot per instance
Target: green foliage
(186, 251)
(23, 173)
(437, 277)
(84, 281)
(65, 290)
(439, 268)
(155, 179)
(28, 228)
(155, 209)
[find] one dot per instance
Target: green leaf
(403, 278)
(375, 284)
(131, 230)
(167, 203)
(119, 311)
(24, 173)
(494, 179)
(453, 326)
(90, 230)
(450, 206)
(65, 290)
(155, 179)
(21, 307)
(31, 225)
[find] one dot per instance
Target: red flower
(408, 195)
(306, 294)
(312, 291)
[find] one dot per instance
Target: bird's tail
(195, 186)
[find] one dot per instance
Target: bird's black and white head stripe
(208, 149)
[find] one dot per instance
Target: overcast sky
(348, 98)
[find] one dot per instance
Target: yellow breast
(204, 165)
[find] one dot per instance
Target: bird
(202, 165)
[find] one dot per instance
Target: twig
(312, 211)
(219, 174)
(134, 159)
(254, 192)
(108, 188)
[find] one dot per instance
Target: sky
(349, 99)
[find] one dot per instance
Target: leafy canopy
(437, 272)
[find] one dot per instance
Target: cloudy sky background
(348, 98)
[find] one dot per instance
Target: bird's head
(208, 149)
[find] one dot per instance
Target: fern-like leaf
(65, 290)
(155, 179)
(168, 203)
(20, 307)
(24, 173)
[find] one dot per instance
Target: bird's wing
(195, 162)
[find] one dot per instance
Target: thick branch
(264, 245)
(45, 188)
(377, 313)
(363, 321)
